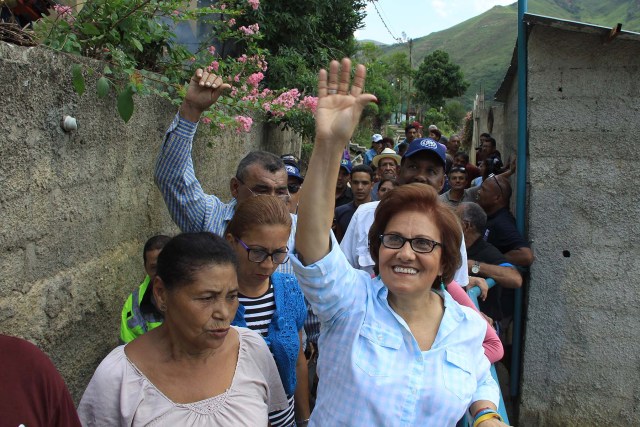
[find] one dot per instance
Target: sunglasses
(493, 175)
(293, 188)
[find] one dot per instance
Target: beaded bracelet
(486, 417)
(482, 411)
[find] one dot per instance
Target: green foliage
(125, 103)
(455, 112)
(102, 87)
(77, 79)
(135, 41)
(307, 35)
(438, 78)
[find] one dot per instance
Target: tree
(439, 78)
(400, 74)
(303, 37)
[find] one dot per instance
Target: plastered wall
(582, 344)
(76, 208)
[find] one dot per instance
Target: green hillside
(483, 45)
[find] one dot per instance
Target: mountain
(483, 45)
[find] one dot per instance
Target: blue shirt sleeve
(331, 285)
(188, 204)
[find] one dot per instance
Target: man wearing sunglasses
(493, 197)
(258, 173)
(294, 180)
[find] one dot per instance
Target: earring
(442, 284)
(163, 308)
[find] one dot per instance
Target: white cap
(376, 137)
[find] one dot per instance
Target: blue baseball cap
(346, 164)
(429, 144)
(293, 170)
(292, 167)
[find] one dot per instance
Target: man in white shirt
(423, 162)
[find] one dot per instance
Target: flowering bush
(135, 41)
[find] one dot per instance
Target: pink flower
(214, 66)
(236, 78)
(223, 6)
(255, 79)
(254, 4)
(243, 58)
(176, 13)
(231, 22)
(244, 123)
(65, 12)
(310, 103)
(250, 30)
(221, 125)
(212, 50)
(206, 120)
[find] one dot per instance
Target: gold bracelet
(486, 417)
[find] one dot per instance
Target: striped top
(258, 314)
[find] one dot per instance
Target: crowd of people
(334, 297)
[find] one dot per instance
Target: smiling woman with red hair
(395, 349)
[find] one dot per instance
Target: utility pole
(410, 78)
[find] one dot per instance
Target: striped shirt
(258, 313)
(190, 207)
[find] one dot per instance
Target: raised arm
(338, 113)
(174, 173)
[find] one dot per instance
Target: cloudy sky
(417, 18)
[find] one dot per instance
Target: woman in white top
(195, 369)
(395, 350)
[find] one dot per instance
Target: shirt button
(380, 338)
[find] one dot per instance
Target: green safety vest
(134, 322)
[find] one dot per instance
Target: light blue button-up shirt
(190, 207)
(371, 369)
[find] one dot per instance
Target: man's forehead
(387, 161)
(425, 156)
(256, 175)
(360, 176)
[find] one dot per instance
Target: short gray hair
(267, 161)
(474, 215)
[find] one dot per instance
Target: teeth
(405, 270)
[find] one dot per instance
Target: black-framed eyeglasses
(293, 188)
(279, 256)
(493, 175)
(420, 245)
(282, 196)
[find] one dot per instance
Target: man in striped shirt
(258, 173)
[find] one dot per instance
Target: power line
(373, 2)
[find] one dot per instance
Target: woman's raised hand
(340, 102)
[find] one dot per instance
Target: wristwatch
(475, 269)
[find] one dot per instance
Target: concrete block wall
(582, 343)
(77, 207)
